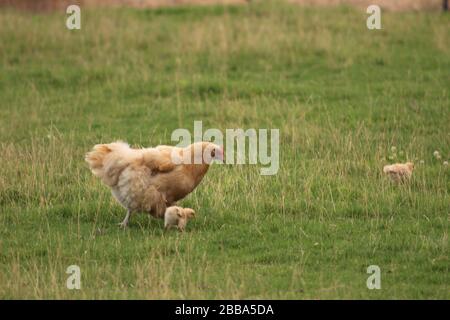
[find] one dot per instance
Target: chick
(177, 216)
(399, 172)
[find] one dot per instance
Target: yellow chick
(399, 172)
(177, 217)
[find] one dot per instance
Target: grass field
(341, 96)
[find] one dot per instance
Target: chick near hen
(151, 179)
(177, 217)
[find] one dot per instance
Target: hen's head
(205, 152)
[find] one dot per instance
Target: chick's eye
(213, 153)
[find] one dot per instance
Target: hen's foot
(124, 223)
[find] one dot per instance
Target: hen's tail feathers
(107, 161)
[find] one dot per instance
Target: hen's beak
(220, 155)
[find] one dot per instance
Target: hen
(151, 179)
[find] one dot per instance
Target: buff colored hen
(151, 179)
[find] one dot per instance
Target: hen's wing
(158, 160)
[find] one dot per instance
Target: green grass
(341, 96)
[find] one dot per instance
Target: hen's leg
(155, 202)
(125, 221)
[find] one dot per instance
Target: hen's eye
(213, 153)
